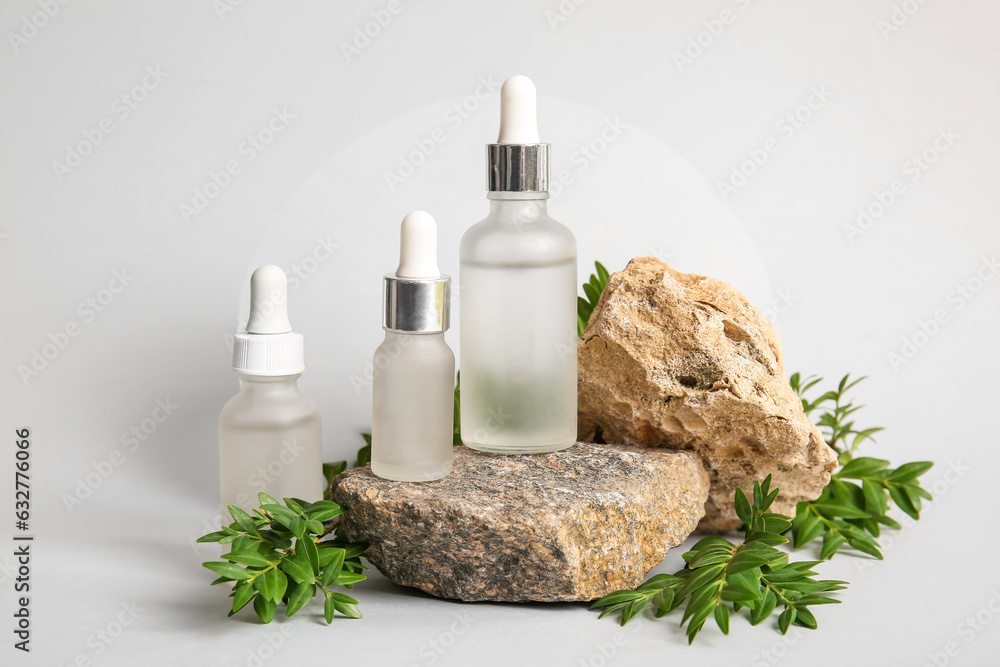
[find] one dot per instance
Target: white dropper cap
(268, 301)
(518, 111)
(418, 247)
(268, 346)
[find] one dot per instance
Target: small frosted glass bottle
(270, 433)
(413, 390)
(518, 299)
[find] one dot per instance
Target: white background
(843, 302)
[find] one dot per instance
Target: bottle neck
(521, 209)
(269, 385)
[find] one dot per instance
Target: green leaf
(787, 618)
(243, 593)
(722, 618)
(228, 570)
(332, 569)
(264, 607)
(764, 608)
(832, 542)
(805, 618)
(663, 601)
(615, 598)
(252, 558)
(331, 470)
(348, 578)
(272, 584)
(808, 529)
(631, 609)
(328, 608)
(212, 537)
(307, 547)
(299, 596)
(298, 568)
(839, 508)
(742, 505)
(264, 499)
(904, 502)
(910, 471)
(346, 608)
(244, 520)
(365, 453)
(875, 498)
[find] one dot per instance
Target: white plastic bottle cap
(268, 346)
(418, 247)
(518, 111)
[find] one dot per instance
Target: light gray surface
(317, 198)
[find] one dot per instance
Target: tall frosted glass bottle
(517, 299)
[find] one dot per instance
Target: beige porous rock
(682, 361)
(570, 525)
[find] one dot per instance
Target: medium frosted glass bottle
(518, 299)
(270, 434)
(413, 392)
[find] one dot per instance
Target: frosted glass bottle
(518, 328)
(412, 439)
(413, 390)
(270, 435)
(517, 298)
(270, 440)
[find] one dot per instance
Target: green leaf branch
(277, 557)
(722, 578)
(854, 506)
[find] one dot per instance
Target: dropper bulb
(418, 247)
(518, 115)
(268, 301)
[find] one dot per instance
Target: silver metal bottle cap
(517, 167)
(416, 306)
